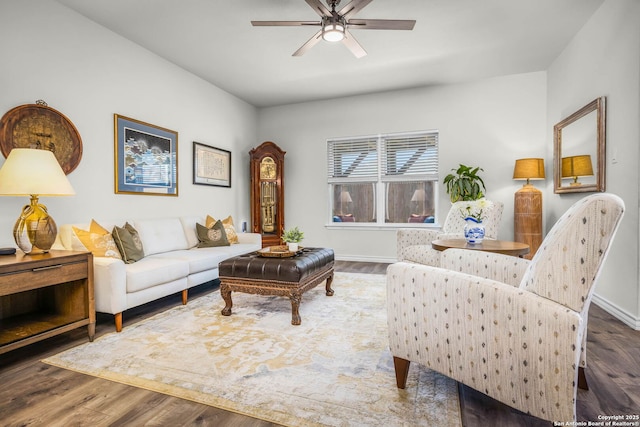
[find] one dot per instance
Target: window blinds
(353, 159)
(402, 157)
(408, 156)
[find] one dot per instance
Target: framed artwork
(146, 158)
(211, 166)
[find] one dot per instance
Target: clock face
(41, 127)
(267, 168)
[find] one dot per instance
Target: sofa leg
(118, 318)
(185, 293)
(402, 371)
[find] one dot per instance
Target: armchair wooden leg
(402, 371)
(118, 318)
(582, 379)
(185, 293)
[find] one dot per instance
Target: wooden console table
(44, 295)
(487, 245)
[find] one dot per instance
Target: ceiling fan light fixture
(334, 24)
(333, 32)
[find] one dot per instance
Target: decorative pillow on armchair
(229, 228)
(211, 237)
(98, 241)
(128, 242)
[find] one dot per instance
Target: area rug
(335, 369)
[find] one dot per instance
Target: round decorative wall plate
(40, 126)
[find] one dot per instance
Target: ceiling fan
(335, 25)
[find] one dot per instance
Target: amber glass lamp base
(35, 231)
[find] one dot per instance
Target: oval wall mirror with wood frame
(579, 150)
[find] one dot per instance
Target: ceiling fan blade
(352, 44)
(381, 24)
(309, 44)
(353, 7)
(319, 7)
(283, 23)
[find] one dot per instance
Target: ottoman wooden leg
(328, 287)
(295, 305)
(226, 296)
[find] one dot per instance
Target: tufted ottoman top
(294, 269)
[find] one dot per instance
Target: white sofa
(172, 262)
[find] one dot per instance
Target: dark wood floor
(36, 394)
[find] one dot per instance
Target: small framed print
(211, 166)
(146, 158)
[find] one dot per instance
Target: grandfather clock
(267, 192)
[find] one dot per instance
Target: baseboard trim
(617, 312)
(364, 258)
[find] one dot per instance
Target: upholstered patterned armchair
(414, 244)
(511, 328)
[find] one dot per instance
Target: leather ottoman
(288, 277)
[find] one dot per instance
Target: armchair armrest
(445, 236)
(503, 268)
(406, 237)
(515, 346)
(416, 236)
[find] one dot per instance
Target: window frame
(383, 177)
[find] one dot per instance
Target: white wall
(604, 60)
(88, 73)
(488, 123)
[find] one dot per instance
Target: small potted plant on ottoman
(292, 237)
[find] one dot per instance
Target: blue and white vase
(473, 230)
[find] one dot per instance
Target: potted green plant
(292, 237)
(465, 184)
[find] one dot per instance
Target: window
(390, 179)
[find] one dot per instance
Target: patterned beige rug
(334, 369)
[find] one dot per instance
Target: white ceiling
(453, 41)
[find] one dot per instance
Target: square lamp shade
(529, 169)
(31, 172)
(575, 166)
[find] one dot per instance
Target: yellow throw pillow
(96, 228)
(229, 228)
(98, 241)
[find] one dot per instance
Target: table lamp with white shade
(34, 173)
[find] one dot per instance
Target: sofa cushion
(152, 271)
(203, 259)
(213, 236)
(128, 242)
(198, 259)
(161, 235)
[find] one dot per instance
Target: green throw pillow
(212, 237)
(128, 243)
